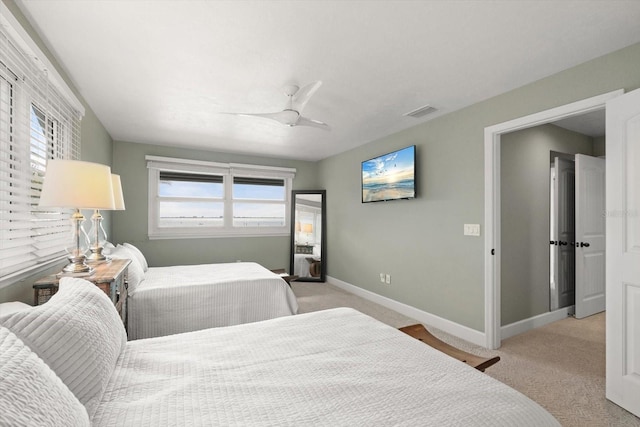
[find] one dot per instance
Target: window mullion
(228, 201)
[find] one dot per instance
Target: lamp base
(96, 256)
(77, 267)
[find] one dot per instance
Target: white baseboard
(460, 331)
(521, 326)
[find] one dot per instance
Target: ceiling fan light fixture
(290, 117)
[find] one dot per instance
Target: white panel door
(623, 251)
(590, 235)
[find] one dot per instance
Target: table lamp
(308, 229)
(78, 185)
(97, 234)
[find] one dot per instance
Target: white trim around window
(217, 181)
(25, 43)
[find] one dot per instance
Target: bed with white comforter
(336, 367)
(184, 298)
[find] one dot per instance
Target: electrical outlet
(382, 277)
(387, 279)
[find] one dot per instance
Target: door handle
(580, 244)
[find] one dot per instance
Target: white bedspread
(334, 368)
(187, 298)
(301, 265)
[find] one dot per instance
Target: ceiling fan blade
(286, 117)
(303, 121)
(303, 95)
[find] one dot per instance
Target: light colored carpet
(561, 365)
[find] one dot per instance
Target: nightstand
(286, 276)
(108, 276)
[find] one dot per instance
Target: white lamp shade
(307, 228)
(77, 184)
(118, 198)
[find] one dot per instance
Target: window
(37, 122)
(190, 198)
(259, 202)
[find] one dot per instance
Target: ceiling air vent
(421, 112)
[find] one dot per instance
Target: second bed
(184, 298)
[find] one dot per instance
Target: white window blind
(36, 123)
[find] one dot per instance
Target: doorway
(577, 232)
(493, 223)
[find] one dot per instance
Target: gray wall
(131, 225)
(599, 146)
(524, 196)
(96, 146)
(420, 242)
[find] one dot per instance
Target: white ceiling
(591, 124)
(160, 72)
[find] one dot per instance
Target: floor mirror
(308, 235)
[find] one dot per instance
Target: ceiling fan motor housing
(291, 90)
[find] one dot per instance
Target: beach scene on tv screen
(389, 177)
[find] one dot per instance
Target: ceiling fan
(292, 115)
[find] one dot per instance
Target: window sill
(205, 235)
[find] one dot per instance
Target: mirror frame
(323, 237)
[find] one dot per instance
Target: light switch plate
(472, 229)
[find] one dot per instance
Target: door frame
(492, 219)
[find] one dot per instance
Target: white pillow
(12, 307)
(122, 252)
(106, 249)
(30, 392)
(139, 255)
(135, 273)
(78, 333)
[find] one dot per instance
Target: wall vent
(421, 111)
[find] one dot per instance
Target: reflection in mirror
(308, 235)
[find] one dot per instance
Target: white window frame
(228, 171)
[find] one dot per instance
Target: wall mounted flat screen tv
(391, 176)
